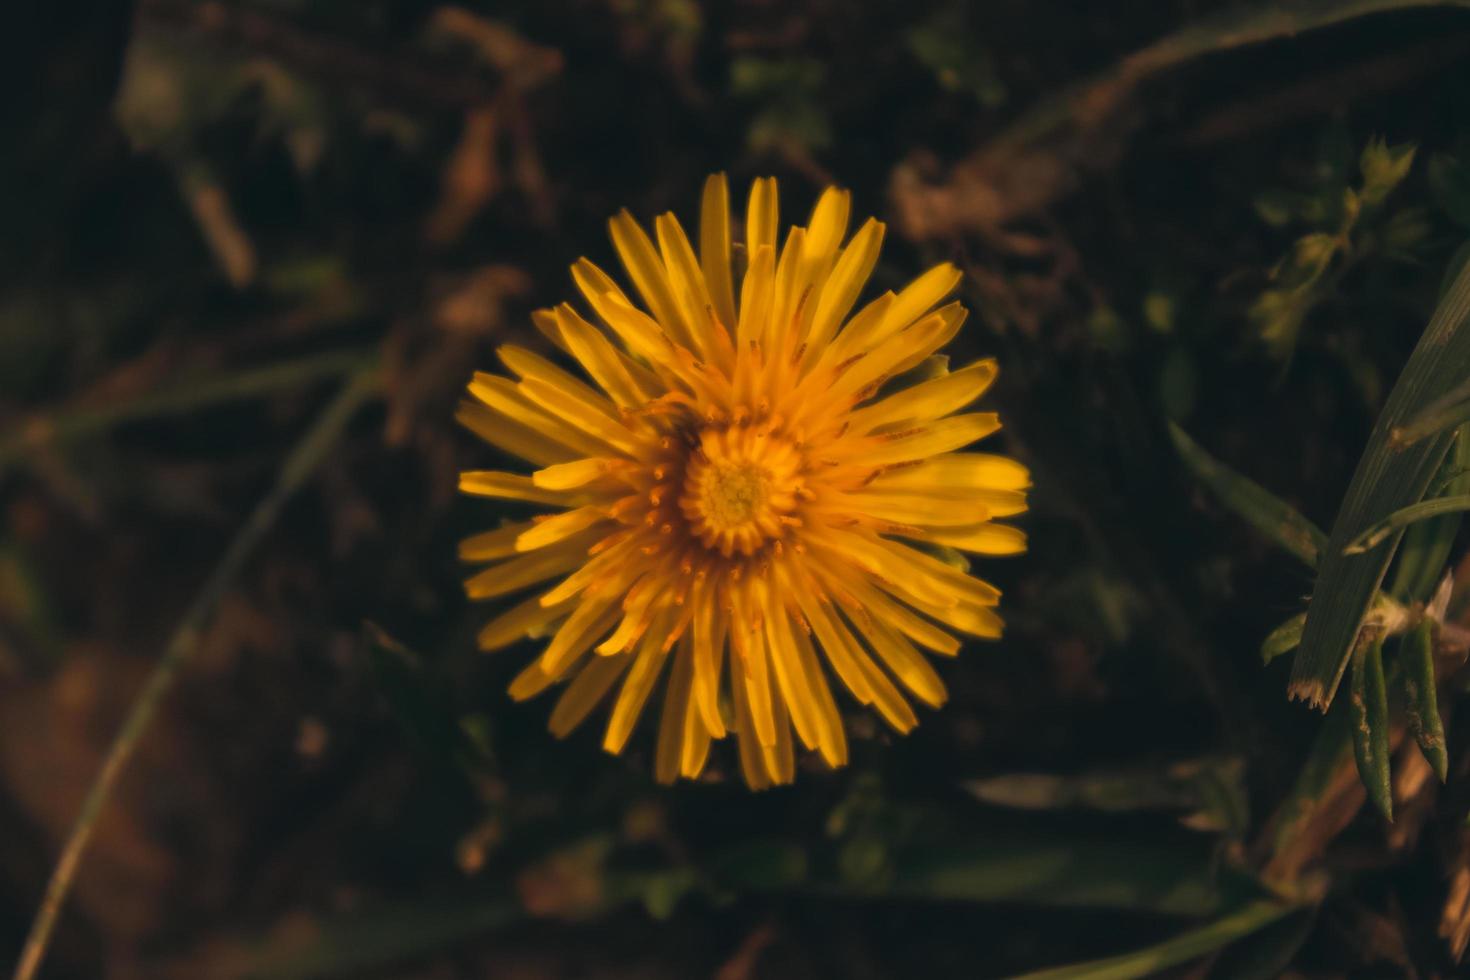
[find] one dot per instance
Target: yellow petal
(843, 286)
(940, 436)
(791, 679)
(886, 698)
(709, 653)
(671, 729)
(906, 663)
(752, 762)
(786, 292)
(588, 623)
(520, 621)
(489, 545)
(761, 216)
(511, 486)
(916, 299)
(979, 471)
(629, 384)
(647, 271)
(984, 539)
(528, 569)
(588, 688)
(902, 352)
(696, 742)
(949, 578)
(714, 248)
(881, 607)
(836, 651)
(748, 666)
(552, 528)
(504, 397)
(636, 688)
(512, 437)
(828, 223)
(755, 296)
(913, 509)
(686, 281)
(928, 400)
(528, 365)
(590, 423)
(778, 757)
(576, 474)
(545, 321)
(832, 738)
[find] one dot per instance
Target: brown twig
(396, 75)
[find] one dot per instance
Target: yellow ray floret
(748, 498)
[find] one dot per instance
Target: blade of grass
(1402, 518)
(1263, 510)
(1426, 546)
(1064, 870)
(1267, 954)
(1421, 694)
(1185, 946)
(1385, 481)
(179, 398)
(1284, 638)
(298, 466)
(1444, 413)
(1369, 706)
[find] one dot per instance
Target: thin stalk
(302, 462)
(1185, 946)
(179, 398)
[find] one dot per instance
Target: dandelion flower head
(749, 500)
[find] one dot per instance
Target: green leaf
(1369, 709)
(1311, 252)
(1445, 412)
(1061, 870)
(1264, 511)
(1267, 954)
(1427, 544)
(1278, 315)
(1183, 947)
(1284, 638)
(1386, 480)
(1383, 168)
(1402, 518)
(1212, 790)
(1421, 695)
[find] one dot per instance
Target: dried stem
(303, 460)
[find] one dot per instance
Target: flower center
(740, 488)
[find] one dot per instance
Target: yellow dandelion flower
(744, 503)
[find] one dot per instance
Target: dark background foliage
(196, 192)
